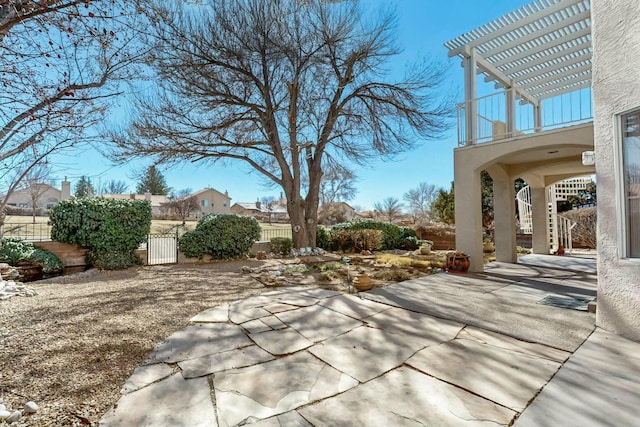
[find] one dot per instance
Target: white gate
(162, 249)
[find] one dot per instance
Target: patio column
(470, 95)
(504, 215)
(540, 220)
(468, 205)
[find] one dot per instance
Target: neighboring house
(48, 196)
(338, 210)
(157, 201)
(543, 130)
(274, 212)
(249, 209)
(211, 201)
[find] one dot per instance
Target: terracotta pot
(458, 262)
(362, 282)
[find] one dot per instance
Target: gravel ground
(71, 348)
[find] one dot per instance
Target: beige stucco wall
(216, 202)
(616, 90)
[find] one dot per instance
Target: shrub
(585, 230)
(356, 240)
(14, 250)
(281, 245)
(322, 239)
(393, 237)
(111, 229)
(221, 236)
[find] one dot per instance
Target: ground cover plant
(13, 251)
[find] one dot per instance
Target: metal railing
(38, 232)
(492, 118)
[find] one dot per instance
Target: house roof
(248, 206)
(542, 49)
(204, 190)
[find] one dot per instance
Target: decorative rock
(30, 407)
(15, 416)
(4, 414)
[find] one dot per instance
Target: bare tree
(61, 61)
(338, 184)
(419, 200)
(114, 186)
(183, 204)
(268, 204)
(279, 86)
(36, 183)
(389, 208)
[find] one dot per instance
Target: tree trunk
(303, 216)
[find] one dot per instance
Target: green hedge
(14, 250)
(281, 246)
(322, 238)
(393, 237)
(221, 236)
(111, 229)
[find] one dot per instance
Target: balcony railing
(492, 120)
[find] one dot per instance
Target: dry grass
(419, 262)
(73, 346)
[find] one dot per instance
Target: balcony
(493, 121)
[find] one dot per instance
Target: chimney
(258, 204)
(65, 190)
(132, 196)
(147, 196)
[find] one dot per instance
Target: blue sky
(424, 26)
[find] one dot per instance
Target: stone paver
(231, 359)
(505, 377)
(173, 401)
(366, 353)
(525, 320)
(426, 329)
(199, 340)
(275, 387)
(512, 344)
(404, 397)
(218, 314)
(281, 341)
(297, 299)
(288, 419)
(145, 375)
(445, 350)
(598, 386)
(239, 314)
(354, 306)
(255, 326)
(279, 307)
(317, 323)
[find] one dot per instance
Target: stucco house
(568, 86)
(212, 201)
(47, 196)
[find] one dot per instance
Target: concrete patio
(442, 350)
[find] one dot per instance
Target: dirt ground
(71, 348)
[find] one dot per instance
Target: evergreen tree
(152, 181)
(84, 188)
